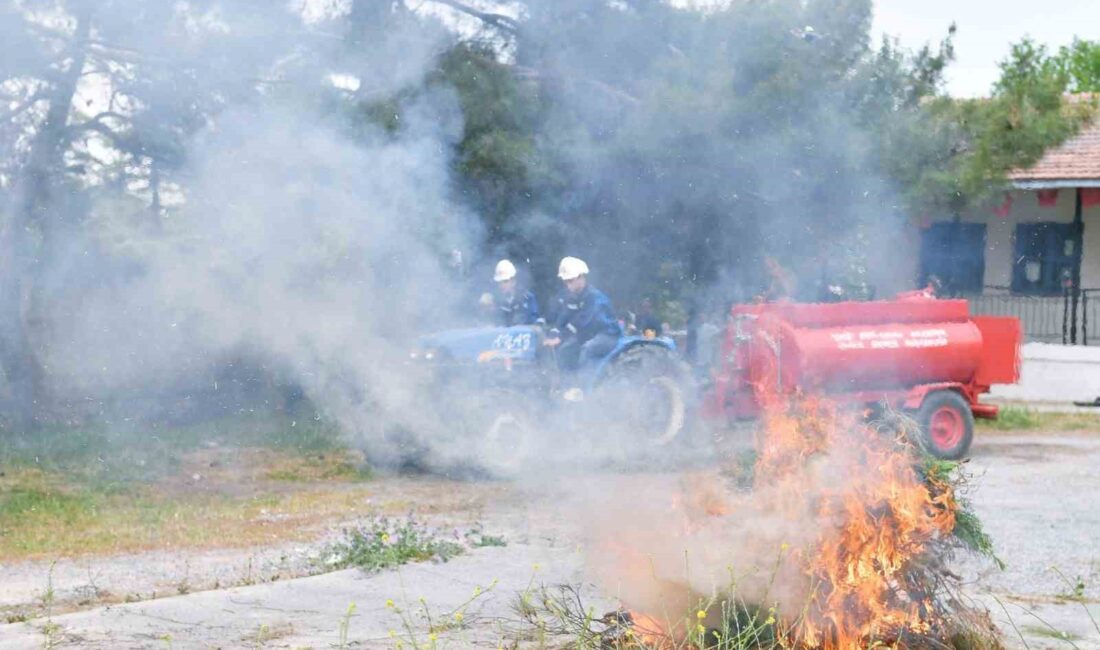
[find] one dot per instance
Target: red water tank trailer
(916, 353)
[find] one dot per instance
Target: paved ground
(1037, 495)
(1039, 498)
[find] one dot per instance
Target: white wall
(1000, 233)
(1055, 373)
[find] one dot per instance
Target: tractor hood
(480, 344)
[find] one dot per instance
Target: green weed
(477, 538)
(385, 543)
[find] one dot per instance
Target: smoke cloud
(299, 247)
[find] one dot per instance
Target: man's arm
(558, 324)
(597, 313)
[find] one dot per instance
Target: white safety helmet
(505, 271)
(571, 267)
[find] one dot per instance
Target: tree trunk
(19, 251)
(701, 270)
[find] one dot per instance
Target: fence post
(1075, 295)
(1065, 316)
(1085, 317)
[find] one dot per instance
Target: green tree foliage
(684, 147)
(497, 156)
(707, 142)
(95, 101)
(1081, 61)
(955, 154)
(677, 148)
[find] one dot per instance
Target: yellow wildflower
(701, 614)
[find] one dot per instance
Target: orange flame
(884, 517)
(874, 514)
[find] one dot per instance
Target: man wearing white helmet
(513, 305)
(585, 328)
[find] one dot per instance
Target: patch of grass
(335, 466)
(1013, 418)
(1051, 633)
(1017, 418)
(383, 543)
(33, 497)
(125, 452)
(42, 517)
(94, 490)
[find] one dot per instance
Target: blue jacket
(521, 309)
(585, 315)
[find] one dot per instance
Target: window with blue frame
(1045, 257)
(953, 253)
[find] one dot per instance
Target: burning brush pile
(843, 541)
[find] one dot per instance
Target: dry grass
(226, 498)
(42, 516)
(229, 483)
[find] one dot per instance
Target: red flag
(1047, 198)
(1090, 196)
(1003, 209)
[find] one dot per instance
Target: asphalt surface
(1035, 493)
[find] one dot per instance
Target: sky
(986, 29)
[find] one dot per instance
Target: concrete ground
(1038, 496)
(1035, 493)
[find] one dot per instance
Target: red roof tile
(1075, 159)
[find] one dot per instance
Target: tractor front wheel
(946, 424)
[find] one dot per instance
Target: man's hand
(552, 343)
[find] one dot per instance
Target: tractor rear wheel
(946, 424)
(652, 389)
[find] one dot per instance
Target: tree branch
(97, 121)
(96, 126)
(501, 21)
(525, 72)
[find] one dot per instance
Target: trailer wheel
(946, 424)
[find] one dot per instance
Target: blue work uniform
(521, 308)
(587, 326)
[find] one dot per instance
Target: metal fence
(1047, 319)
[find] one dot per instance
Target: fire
(860, 517)
(884, 516)
(647, 631)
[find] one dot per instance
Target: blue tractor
(502, 389)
